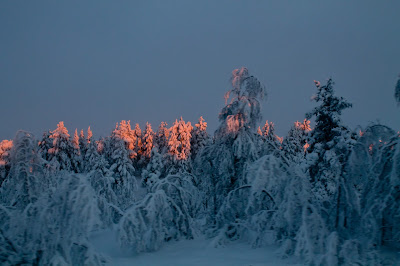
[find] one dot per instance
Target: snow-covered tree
(26, 180)
(45, 144)
(244, 109)
(123, 173)
(161, 138)
(54, 230)
(138, 145)
(200, 137)
(330, 145)
(94, 160)
(166, 213)
(82, 142)
(295, 144)
(247, 210)
(220, 167)
(89, 136)
(155, 169)
(374, 169)
(147, 142)
(179, 140)
(329, 141)
(5, 147)
(270, 141)
(62, 150)
(77, 157)
(124, 132)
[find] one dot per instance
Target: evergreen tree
(82, 142)
(147, 143)
(89, 135)
(155, 169)
(179, 140)
(330, 143)
(161, 138)
(200, 137)
(124, 132)
(62, 150)
(295, 144)
(271, 142)
(139, 145)
(95, 161)
(26, 181)
(5, 148)
(45, 144)
(122, 171)
(77, 158)
(104, 184)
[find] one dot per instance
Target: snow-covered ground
(199, 252)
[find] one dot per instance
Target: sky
(94, 63)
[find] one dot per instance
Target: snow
(191, 252)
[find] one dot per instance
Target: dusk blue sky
(94, 63)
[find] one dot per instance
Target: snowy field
(197, 252)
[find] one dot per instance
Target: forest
(325, 193)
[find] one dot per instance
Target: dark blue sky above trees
(98, 62)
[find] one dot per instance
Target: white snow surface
(198, 252)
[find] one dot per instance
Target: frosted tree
(200, 137)
(244, 109)
(154, 170)
(139, 144)
(166, 213)
(5, 147)
(220, 167)
(330, 144)
(124, 132)
(295, 144)
(82, 142)
(179, 140)
(271, 142)
(75, 140)
(122, 171)
(54, 230)
(26, 180)
(45, 144)
(147, 142)
(328, 131)
(161, 138)
(89, 136)
(103, 182)
(62, 149)
(77, 157)
(94, 160)
(375, 170)
(247, 210)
